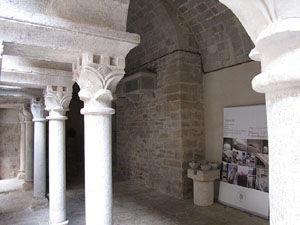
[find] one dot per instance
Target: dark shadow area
(75, 141)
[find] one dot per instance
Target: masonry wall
(162, 29)
(9, 143)
(221, 38)
(159, 132)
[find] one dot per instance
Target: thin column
(29, 151)
(57, 103)
(1, 54)
(274, 27)
(97, 83)
(21, 173)
(39, 185)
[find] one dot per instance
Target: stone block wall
(204, 26)
(10, 130)
(221, 38)
(162, 31)
(159, 131)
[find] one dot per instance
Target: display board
(245, 161)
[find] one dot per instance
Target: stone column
(39, 185)
(97, 83)
(1, 54)
(274, 27)
(29, 150)
(21, 173)
(57, 101)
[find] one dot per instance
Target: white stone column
(274, 27)
(1, 54)
(97, 82)
(57, 100)
(29, 150)
(39, 184)
(21, 173)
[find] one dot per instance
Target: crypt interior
(103, 104)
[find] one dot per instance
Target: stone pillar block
(203, 185)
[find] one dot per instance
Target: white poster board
(244, 175)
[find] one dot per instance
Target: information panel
(245, 160)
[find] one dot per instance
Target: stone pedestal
(21, 173)
(203, 185)
(29, 151)
(57, 102)
(39, 188)
(274, 27)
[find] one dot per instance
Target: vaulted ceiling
(204, 26)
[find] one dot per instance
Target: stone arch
(221, 38)
(163, 30)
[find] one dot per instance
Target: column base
(27, 186)
(21, 175)
(39, 203)
(62, 223)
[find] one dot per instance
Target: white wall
(226, 87)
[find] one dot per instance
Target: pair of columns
(97, 79)
(33, 167)
(33, 149)
(97, 82)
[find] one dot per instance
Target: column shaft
(39, 159)
(283, 111)
(29, 152)
(57, 100)
(21, 174)
(98, 169)
(57, 172)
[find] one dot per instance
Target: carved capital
(37, 109)
(57, 100)
(27, 115)
(21, 116)
(97, 77)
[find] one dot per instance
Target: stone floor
(133, 205)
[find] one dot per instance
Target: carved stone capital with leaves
(97, 77)
(57, 100)
(38, 110)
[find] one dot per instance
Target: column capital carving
(37, 109)
(27, 115)
(97, 77)
(57, 100)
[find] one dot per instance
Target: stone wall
(221, 38)
(203, 26)
(162, 30)
(158, 132)
(9, 143)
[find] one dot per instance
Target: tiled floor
(133, 205)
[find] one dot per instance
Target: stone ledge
(204, 176)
